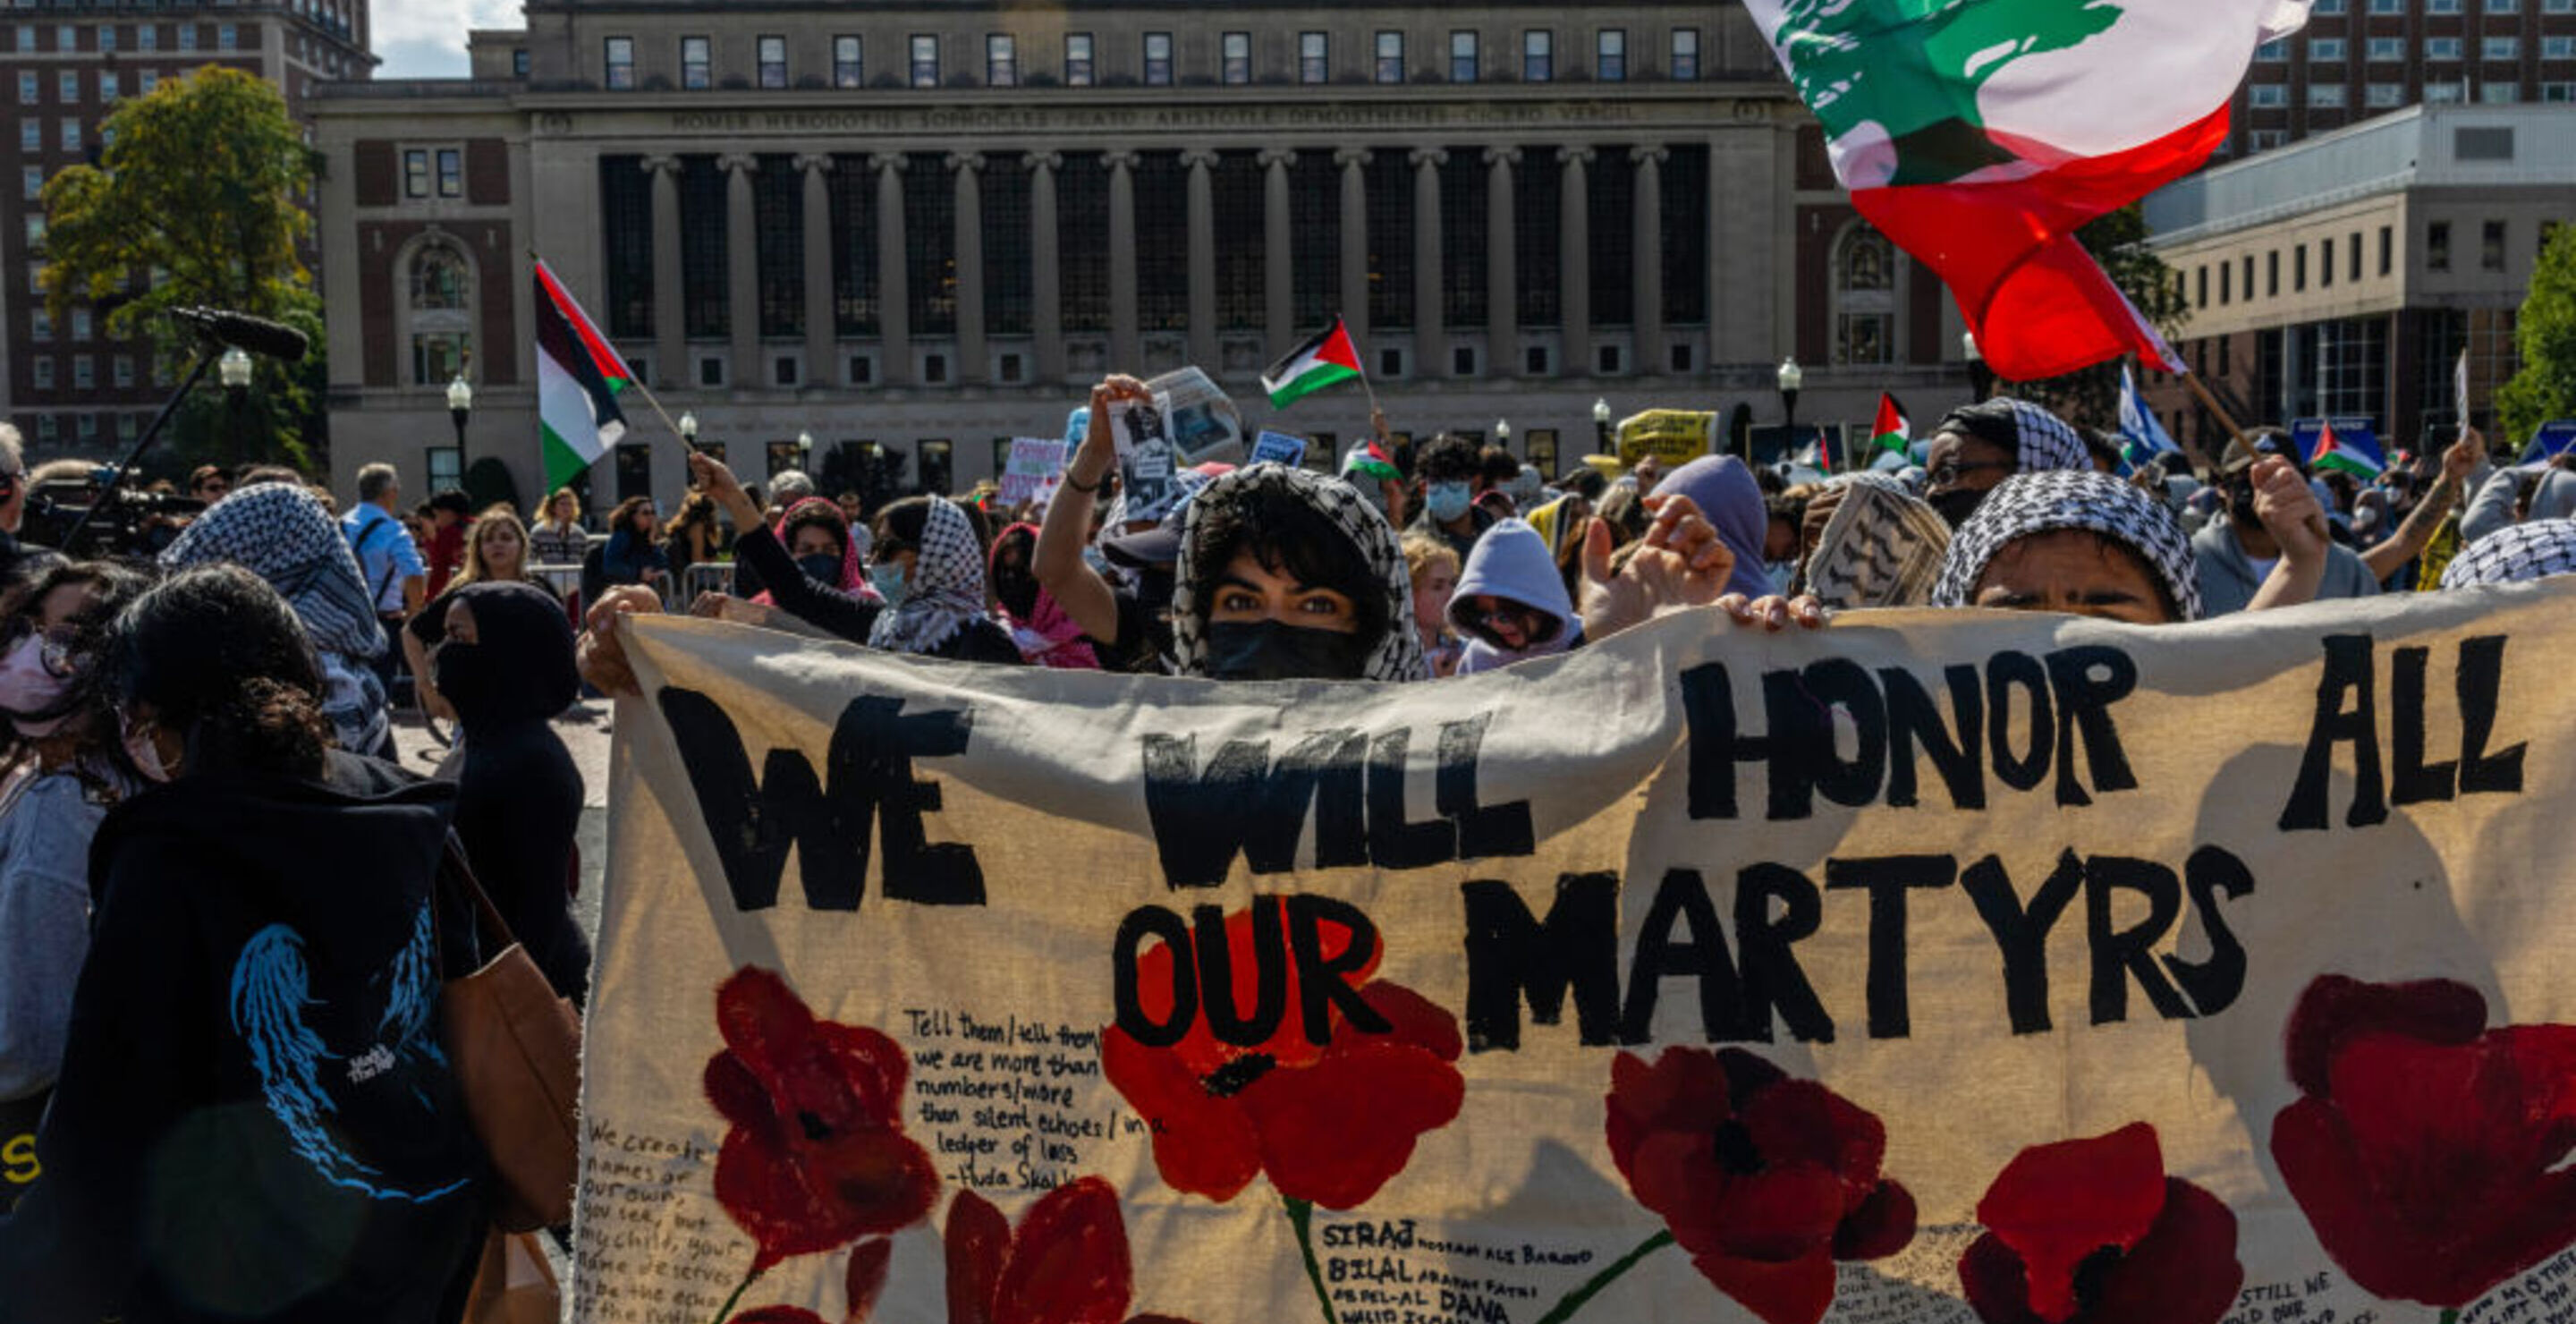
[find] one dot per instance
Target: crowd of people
(230, 1036)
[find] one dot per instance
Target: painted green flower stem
(725, 1312)
(1301, 1216)
(1579, 1297)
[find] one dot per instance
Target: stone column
(1046, 267)
(1646, 244)
(1202, 167)
(894, 298)
(1278, 266)
(1355, 244)
(1430, 341)
(742, 272)
(974, 364)
(1126, 349)
(670, 300)
(1574, 272)
(822, 316)
(1502, 284)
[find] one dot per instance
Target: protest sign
(18, 1167)
(1032, 469)
(1674, 436)
(1279, 448)
(1202, 418)
(1145, 461)
(2188, 973)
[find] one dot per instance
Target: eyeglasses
(61, 644)
(1949, 472)
(1516, 617)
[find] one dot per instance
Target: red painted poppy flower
(2094, 1232)
(778, 1315)
(1067, 1263)
(1764, 1180)
(2429, 1151)
(1330, 1123)
(816, 1157)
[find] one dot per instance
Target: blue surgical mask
(888, 578)
(1448, 501)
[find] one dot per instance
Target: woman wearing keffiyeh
(930, 570)
(2073, 541)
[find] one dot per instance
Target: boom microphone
(256, 335)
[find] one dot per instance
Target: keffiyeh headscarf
(2038, 439)
(2071, 499)
(279, 532)
(946, 592)
(1882, 547)
(1397, 655)
(2533, 550)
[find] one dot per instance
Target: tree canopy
(197, 199)
(2545, 389)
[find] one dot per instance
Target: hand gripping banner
(1930, 967)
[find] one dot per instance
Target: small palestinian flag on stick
(2351, 457)
(1327, 360)
(1891, 432)
(579, 376)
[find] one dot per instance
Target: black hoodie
(255, 1120)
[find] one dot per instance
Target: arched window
(1864, 297)
(440, 309)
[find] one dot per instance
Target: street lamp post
(689, 429)
(1503, 433)
(233, 369)
(805, 453)
(1601, 428)
(1792, 377)
(460, 407)
(1980, 377)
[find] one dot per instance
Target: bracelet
(1079, 486)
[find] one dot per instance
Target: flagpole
(2210, 403)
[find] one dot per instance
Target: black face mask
(822, 568)
(469, 676)
(1271, 650)
(2240, 508)
(1957, 504)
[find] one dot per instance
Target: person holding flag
(2272, 526)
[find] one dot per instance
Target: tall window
(1001, 60)
(1464, 57)
(1158, 59)
(778, 230)
(772, 52)
(451, 172)
(1239, 189)
(1390, 241)
(1610, 55)
(1538, 55)
(1009, 278)
(108, 87)
(1082, 205)
(1864, 297)
(621, 59)
(1465, 240)
(852, 185)
(1685, 221)
(69, 90)
(2491, 246)
(1613, 181)
(1314, 57)
(704, 248)
(1162, 242)
(1237, 59)
(442, 318)
(930, 245)
(1685, 61)
(697, 63)
(1078, 69)
(848, 70)
(416, 172)
(1315, 238)
(1390, 57)
(626, 238)
(925, 60)
(31, 89)
(1538, 243)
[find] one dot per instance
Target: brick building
(68, 387)
(2361, 58)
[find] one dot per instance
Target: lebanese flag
(1980, 135)
(1891, 432)
(1327, 359)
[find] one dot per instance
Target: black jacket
(255, 1120)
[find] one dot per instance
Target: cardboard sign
(1674, 436)
(1033, 468)
(2187, 973)
(1279, 448)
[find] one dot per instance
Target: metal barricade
(704, 577)
(564, 580)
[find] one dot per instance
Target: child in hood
(1511, 601)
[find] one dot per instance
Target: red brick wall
(381, 295)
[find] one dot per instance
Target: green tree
(2546, 334)
(196, 200)
(2117, 241)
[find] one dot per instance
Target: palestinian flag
(2353, 457)
(1371, 461)
(1891, 432)
(1979, 135)
(579, 375)
(1324, 361)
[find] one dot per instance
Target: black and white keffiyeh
(946, 593)
(1397, 654)
(2535, 550)
(1882, 547)
(2047, 443)
(2027, 504)
(279, 532)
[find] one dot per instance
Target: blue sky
(426, 38)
